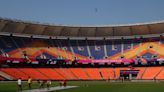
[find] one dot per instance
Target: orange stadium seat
(107, 73)
(70, 73)
(79, 72)
(33, 73)
(161, 74)
(93, 73)
(62, 72)
(50, 73)
(151, 72)
(15, 72)
(141, 72)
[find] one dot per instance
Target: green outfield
(92, 86)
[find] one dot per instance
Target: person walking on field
(29, 82)
(48, 84)
(64, 83)
(19, 84)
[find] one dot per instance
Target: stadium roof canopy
(34, 28)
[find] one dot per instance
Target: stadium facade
(82, 52)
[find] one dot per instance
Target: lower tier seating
(151, 72)
(80, 73)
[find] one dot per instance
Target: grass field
(93, 86)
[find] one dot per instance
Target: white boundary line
(50, 89)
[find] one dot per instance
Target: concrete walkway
(50, 89)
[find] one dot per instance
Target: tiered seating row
(151, 72)
(81, 73)
(15, 73)
(161, 74)
(82, 49)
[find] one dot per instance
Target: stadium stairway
(15, 73)
(93, 73)
(107, 73)
(141, 72)
(61, 72)
(4, 75)
(86, 73)
(151, 72)
(33, 73)
(79, 73)
(160, 75)
(70, 73)
(50, 73)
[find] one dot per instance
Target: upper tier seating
(81, 49)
